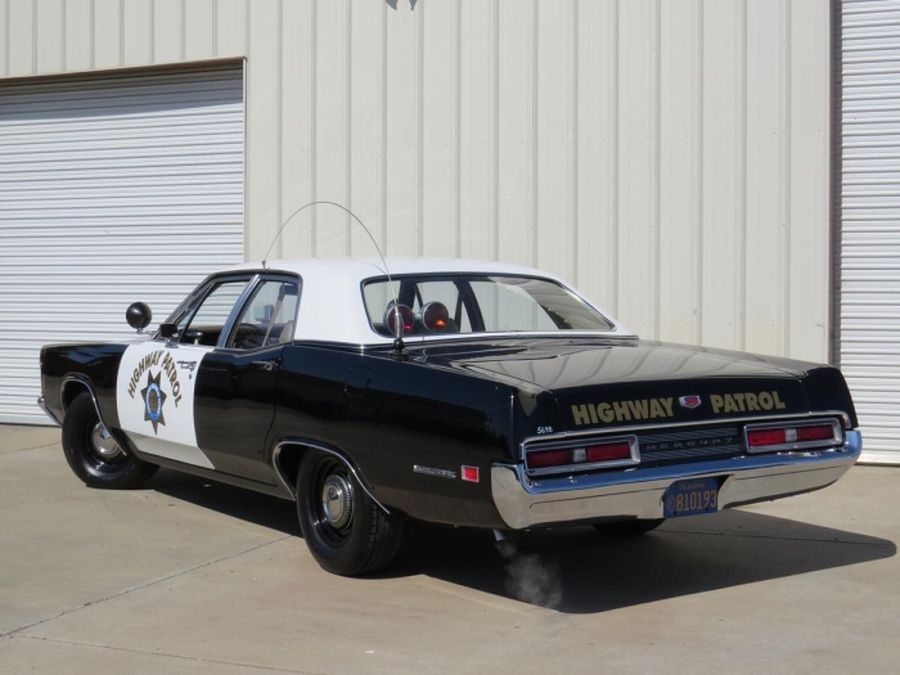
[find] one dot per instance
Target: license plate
(690, 497)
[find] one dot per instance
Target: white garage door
(112, 189)
(870, 248)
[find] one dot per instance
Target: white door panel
(155, 399)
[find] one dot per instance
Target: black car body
(435, 410)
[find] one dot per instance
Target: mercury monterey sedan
(470, 393)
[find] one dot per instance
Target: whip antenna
(398, 321)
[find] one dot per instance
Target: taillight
(544, 458)
(596, 455)
(822, 432)
(765, 437)
(792, 436)
(607, 453)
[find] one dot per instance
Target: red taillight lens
(607, 453)
(823, 432)
(789, 436)
(760, 437)
(545, 458)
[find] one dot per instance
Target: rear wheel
(630, 528)
(346, 532)
(94, 454)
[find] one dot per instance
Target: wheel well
(70, 392)
(287, 462)
(288, 455)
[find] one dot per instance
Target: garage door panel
(870, 253)
(112, 189)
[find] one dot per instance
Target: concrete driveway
(191, 576)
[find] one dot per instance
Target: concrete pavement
(192, 576)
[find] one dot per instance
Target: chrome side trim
(42, 402)
(634, 428)
(638, 492)
(322, 448)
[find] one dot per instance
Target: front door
(157, 380)
(234, 402)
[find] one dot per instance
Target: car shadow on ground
(580, 570)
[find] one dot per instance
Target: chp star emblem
(154, 397)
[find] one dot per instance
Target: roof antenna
(398, 322)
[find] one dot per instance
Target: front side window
(205, 325)
(445, 304)
(268, 318)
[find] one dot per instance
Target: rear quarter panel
(389, 414)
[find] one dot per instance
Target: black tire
(96, 457)
(350, 535)
(630, 528)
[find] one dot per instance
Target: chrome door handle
(268, 366)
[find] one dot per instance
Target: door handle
(268, 366)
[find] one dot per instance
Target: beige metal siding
(870, 247)
(671, 158)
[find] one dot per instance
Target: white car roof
(332, 308)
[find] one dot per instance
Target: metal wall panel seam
(656, 187)
(420, 131)
(6, 29)
(279, 124)
(699, 172)
(535, 23)
(384, 130)
(741, 174)
(616, 161)
(495, 133)
(786, 29)
(313, 125)
(573, 152)
(34, 37)
(348, 131)
(457, 129)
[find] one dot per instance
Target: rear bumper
(637, 493)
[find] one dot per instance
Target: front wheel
(346, 532)
(94, 454)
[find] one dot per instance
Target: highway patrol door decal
(155, 399)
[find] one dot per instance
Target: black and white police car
(463, 392)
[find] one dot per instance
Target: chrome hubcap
(337, 500)
(104, 444)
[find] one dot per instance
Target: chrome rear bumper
(637, 493)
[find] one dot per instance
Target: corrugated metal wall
(669, 157)
(123, 188)
(870, 250)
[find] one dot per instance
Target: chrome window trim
(276, 451)
(242, 301)
(836, 440)
(631, 439)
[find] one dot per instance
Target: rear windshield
(447, 304)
